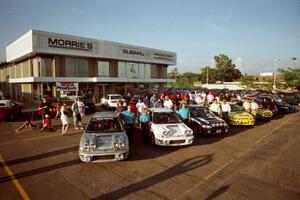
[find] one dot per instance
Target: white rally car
(111, 100)
(167, 129)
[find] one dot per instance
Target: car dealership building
(43, 63)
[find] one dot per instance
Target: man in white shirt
(247, 106)
(168, 103)
(209, 97)
(254, 108)
(140, 106)
(215, 107)
(203, 94)
(226, 109)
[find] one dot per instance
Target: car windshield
(235, 108)
(107, 125)
(116, 97)
(165, 118)
(201, 112)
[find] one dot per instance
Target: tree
(247, 80)
(211, 72)
(291, 78)
(174, 74)
(225, 70)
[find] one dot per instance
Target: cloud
(212, 63)
(238, 63)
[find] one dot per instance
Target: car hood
(241, 114)
(177, 129)
(105, 141)
(209, 119)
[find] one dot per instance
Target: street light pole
(206, 76)
(274, 73)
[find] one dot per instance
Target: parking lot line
(14, 179)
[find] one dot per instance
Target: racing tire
(152, 139)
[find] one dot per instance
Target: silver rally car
(167, 129)
(104, 139)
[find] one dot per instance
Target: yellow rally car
(264, 113)
(239, 117)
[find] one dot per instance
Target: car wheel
(152, 139)
(11, 117)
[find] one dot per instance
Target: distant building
(267, 77)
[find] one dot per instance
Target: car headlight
(86, 146)
(92, 146)
(206, 126)
(188, 132)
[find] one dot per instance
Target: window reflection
(103, 68)
(137, 70)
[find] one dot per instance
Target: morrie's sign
(67, 86)
(69, 44)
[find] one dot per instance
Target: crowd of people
(61, 111)
(137, 112)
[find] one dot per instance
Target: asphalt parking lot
(260, 162)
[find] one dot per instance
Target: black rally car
(205, 122)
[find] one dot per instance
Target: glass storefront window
(147, 71)
(76, 67)
(121, 70)
(136, 70)
(103, 68)
(141, 70)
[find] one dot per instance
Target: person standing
(184, 113)
(81, 108)
(144, 120)
(140, 106)
(152, 99)
(254, 108)
(64, 119)
(215, 107)
(157, 103)
(226, 109)
(209, 98)
(168, 102)
(43, 108)
(247, 106)
(76, 114)
(129, 118)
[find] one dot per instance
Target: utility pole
(206, 76)
(274, 73)
(294, 61)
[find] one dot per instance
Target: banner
(67, 86)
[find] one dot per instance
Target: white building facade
(39, 61)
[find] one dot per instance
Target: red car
(9, 109)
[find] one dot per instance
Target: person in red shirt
(47, 123)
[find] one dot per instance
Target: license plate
(218, 131)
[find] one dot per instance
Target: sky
(257, 35)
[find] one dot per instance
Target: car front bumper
(88, 156)
(174, 141)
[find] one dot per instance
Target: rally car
(239, 117)
(264, 113)
(104, 139)
(166, 129)
(205, 122)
